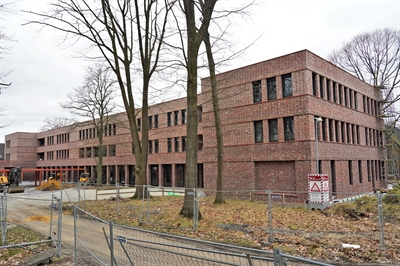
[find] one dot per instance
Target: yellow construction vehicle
(11, 183)
(85, 179)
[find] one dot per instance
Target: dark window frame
(258, 131)
(287, 85)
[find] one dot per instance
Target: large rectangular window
(112, 150)
(271, 88)
(350, 166)
(184, 143)
(176, 118)
(156, 146)
(169, 119)
(183, 114)
(258, 131)
(289, 127)
(199, 142)
(257, 94)
(176, 141)
(150, 122)
(314, 84)
(81, 152)
(150, 146)
(169, 144)
(273, 129)
(156, 121)
(287, 89)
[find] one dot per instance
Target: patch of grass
(18, 235)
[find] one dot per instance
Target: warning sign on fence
(318, 191)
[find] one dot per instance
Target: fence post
(75, 247)
(117, 199)
(111, 243)
(381, 223)
(195, 210)
(59, 231)
(271, 234)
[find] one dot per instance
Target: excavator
(11, 183)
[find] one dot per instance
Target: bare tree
(119, 30)
(373, 57)
(217, 121)
(94, 100)
(197, 16)
(56, 122)
(5, 7)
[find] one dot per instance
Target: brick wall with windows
(268, 113)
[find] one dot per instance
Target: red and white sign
(318, 189)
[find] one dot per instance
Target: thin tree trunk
(217, 121)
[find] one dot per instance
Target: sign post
(318, 191)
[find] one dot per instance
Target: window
(314, 85)
(112, 150)
(7, 157)
(139, 124)
(176, 141)
(334, 92)
(328, 89)
(271, 88)
(88, 152)
(200, 142)
(8, 144)
(156, 146)
(150, 122)
(273, 129)
(150, 146)
(169, 142)
(184, 143)
(258, 131)
(350, 166)
(289, 128)
(287, 85)
(96, 151)
(81, 152)
(360, 176)
(156, 121)
(200, 113)
(176, 118)
(183, 114)
(169, 119)
(257, 94)
(321, 86)
(104, 150)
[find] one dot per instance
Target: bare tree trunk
(195, 36)
(217, 122)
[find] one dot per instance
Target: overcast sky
(44, 72)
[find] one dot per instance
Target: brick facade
(276, 156)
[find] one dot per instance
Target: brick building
(268, 114)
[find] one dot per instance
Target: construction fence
(373, 217)
(123, 245)
(46, 210)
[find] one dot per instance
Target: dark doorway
(167, 175)
(154, 175)
(180, 175)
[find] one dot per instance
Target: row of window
(91, 133)
(337, 93)
(174, 118)
(373, 170)
(287, 89)
(273, 129)
(59, 155)
(338, 131)
(109, 150)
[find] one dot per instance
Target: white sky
(44, 73)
